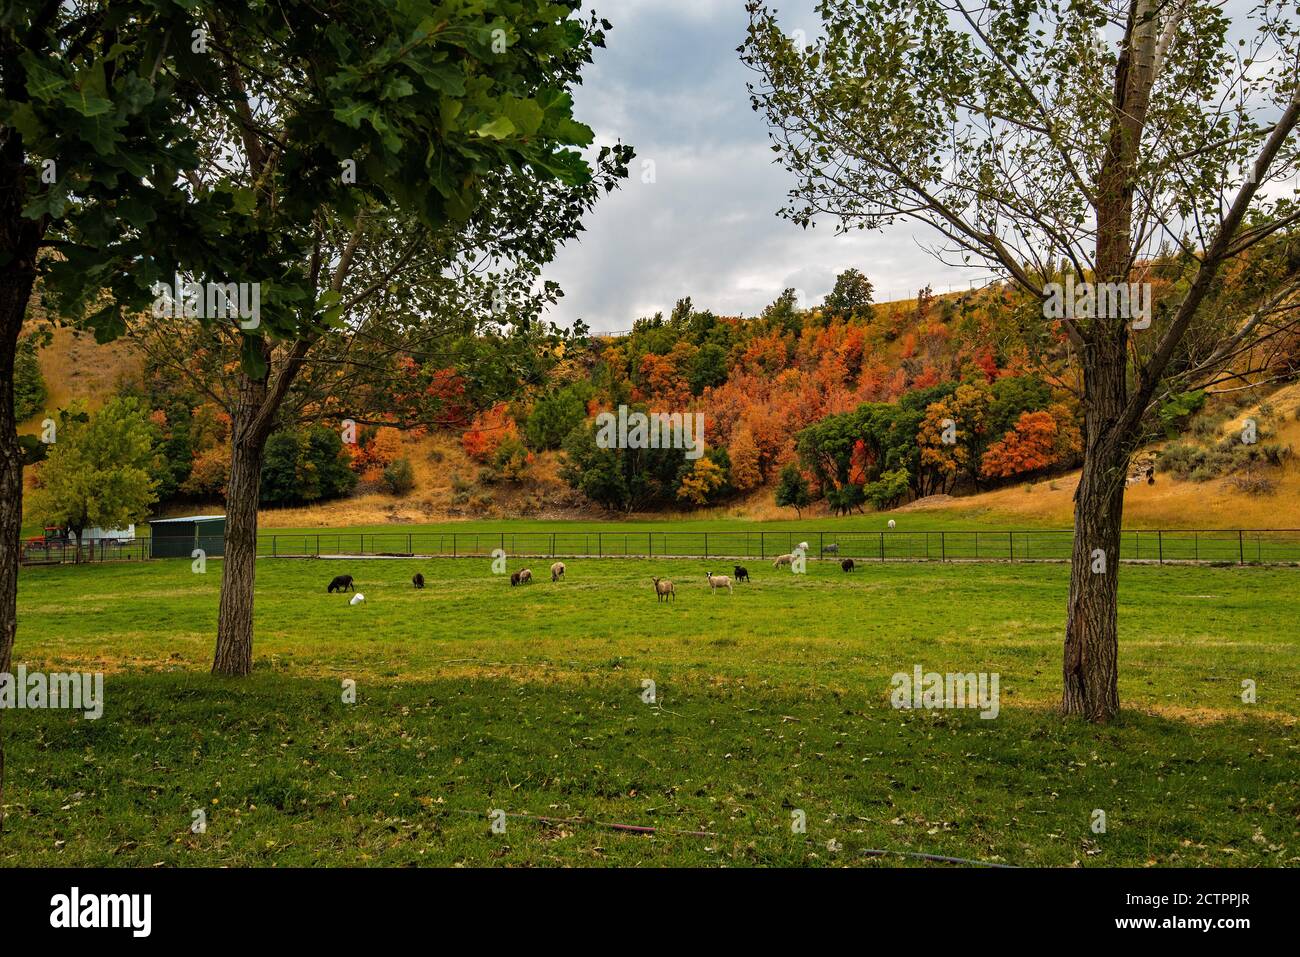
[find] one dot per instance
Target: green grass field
(473, 696)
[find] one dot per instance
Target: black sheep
(847, 565)
(740, 573)
(341, 583)
(418, 580)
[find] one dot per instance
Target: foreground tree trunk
(12, 307)
(234, 654)
(1091, 660)
(16, 280)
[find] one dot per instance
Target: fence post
(600, 544)
(1011, 545)
(552, 544)
(762, 545)
(882, 546)
(1241, 546)
(409, 549)
(706, 544)
(1160, 547)
(274, 553)
(821, 544)
(943, 547)
(650, 544)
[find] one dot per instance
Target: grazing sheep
(521, 577)
(357, 599)
(847, 565)
(741, 573)
(557, 571)
(783, 560)
(663, 589)
(341, 583)
(891, 523)
(719, 581)
(418, 580)
(833, 548)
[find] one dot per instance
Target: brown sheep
(664, 589)
(557, 571)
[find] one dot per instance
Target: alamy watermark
(75, 691)
(133, 912)
(1099, 300)
(932, 690)
(240, 301)
(655, 430)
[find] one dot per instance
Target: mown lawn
(473, 696)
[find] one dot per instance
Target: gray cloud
(671, 84)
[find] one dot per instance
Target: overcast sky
(671, 84)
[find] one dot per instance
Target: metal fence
(98, 550)
(1208, 546)
(1236, 546)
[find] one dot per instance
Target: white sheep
(557, 571)
(891, 523)
(782, 560)
(718, 581)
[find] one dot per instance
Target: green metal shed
(178, 537)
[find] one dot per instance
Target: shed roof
(186, 518)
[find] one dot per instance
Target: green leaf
(85, 103)
(244, 201)
(50, 203)
(352, 112)
(498, 129)
(252, 358)
(42, 84)
(526, 115)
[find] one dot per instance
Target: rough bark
(234, 654)
(1091, 661)
(13, 305)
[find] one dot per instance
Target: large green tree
(336, 131)
(92, 144)
(99, 470)
(1096, 140)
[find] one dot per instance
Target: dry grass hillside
(1170, 503)
(74, 366)
(446, 488)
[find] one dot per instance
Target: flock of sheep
(664, 588)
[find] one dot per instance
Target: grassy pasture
(472, 696)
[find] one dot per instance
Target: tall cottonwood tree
(322, 122)
(1099, 139)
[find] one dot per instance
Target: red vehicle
(54, 537)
